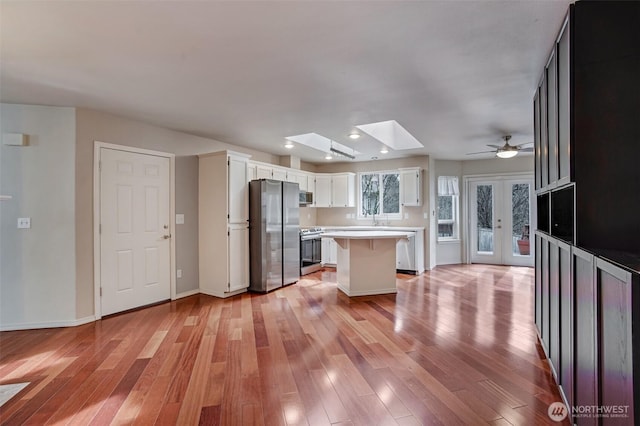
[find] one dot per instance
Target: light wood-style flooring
(455, 345)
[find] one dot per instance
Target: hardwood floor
(456, 345)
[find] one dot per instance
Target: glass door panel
(484, 215)
(500, 221)
(485, 222)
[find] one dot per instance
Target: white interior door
(135, 255)
(500, 213)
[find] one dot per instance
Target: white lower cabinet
(329, 252)
(238, 239)
(406, 254)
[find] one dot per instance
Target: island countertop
(365, 235)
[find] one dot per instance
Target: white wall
(449, 252)
(98, 126)
(452, 252)
(37, 265)
(46, 272)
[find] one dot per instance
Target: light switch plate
(180, 219)
(179, 273)
(24, 222)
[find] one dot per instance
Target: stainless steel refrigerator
(274, 234)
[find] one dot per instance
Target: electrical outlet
(24, 222)
(406, 215)
(179, 219)
(179, 273)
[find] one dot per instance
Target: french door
(500, 214)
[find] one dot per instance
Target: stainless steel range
(310, 250)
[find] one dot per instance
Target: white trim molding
(49, 324)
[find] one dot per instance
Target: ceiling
(457, 75)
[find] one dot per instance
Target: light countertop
(365, 235)
(372, 228)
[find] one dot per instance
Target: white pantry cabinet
(223, 223)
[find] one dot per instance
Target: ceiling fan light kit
(506, 154)
(506, 151)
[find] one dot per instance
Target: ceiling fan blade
(523, 144)
(526, 149)
(495, 146)
(481, 152)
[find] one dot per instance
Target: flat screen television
(563, 213)
(543, 212)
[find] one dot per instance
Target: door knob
(166, 237)
(498, 227)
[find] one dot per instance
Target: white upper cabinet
(343, 190)
(322, 196)
(251, 172)
(279, 174)
(410, 187)
(264, 172)
(238, 189)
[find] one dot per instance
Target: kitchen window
(448, 208)
(379, 195)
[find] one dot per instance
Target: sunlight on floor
(9, 391)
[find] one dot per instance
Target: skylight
(321, 143)
(391, 134)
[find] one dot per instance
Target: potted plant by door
(523, 242)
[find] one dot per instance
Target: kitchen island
(366, 262)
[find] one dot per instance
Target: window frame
(455, 220)
(383, 216)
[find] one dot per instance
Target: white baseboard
(345, 290)
(222, 295)
(50, 324)
(187, 294)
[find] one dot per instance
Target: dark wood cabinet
(538, 283)
(564, 111)
(566, 356)
(615, 323)
(585, 380)
(586, 113)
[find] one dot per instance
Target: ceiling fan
(506, 150)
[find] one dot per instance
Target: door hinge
(99, 228)
(228, 162)
(228, 233)
(100, 165)
(100, 291)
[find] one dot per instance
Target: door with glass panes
(500, 215)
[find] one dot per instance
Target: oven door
(310, 254)
(306, 252)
